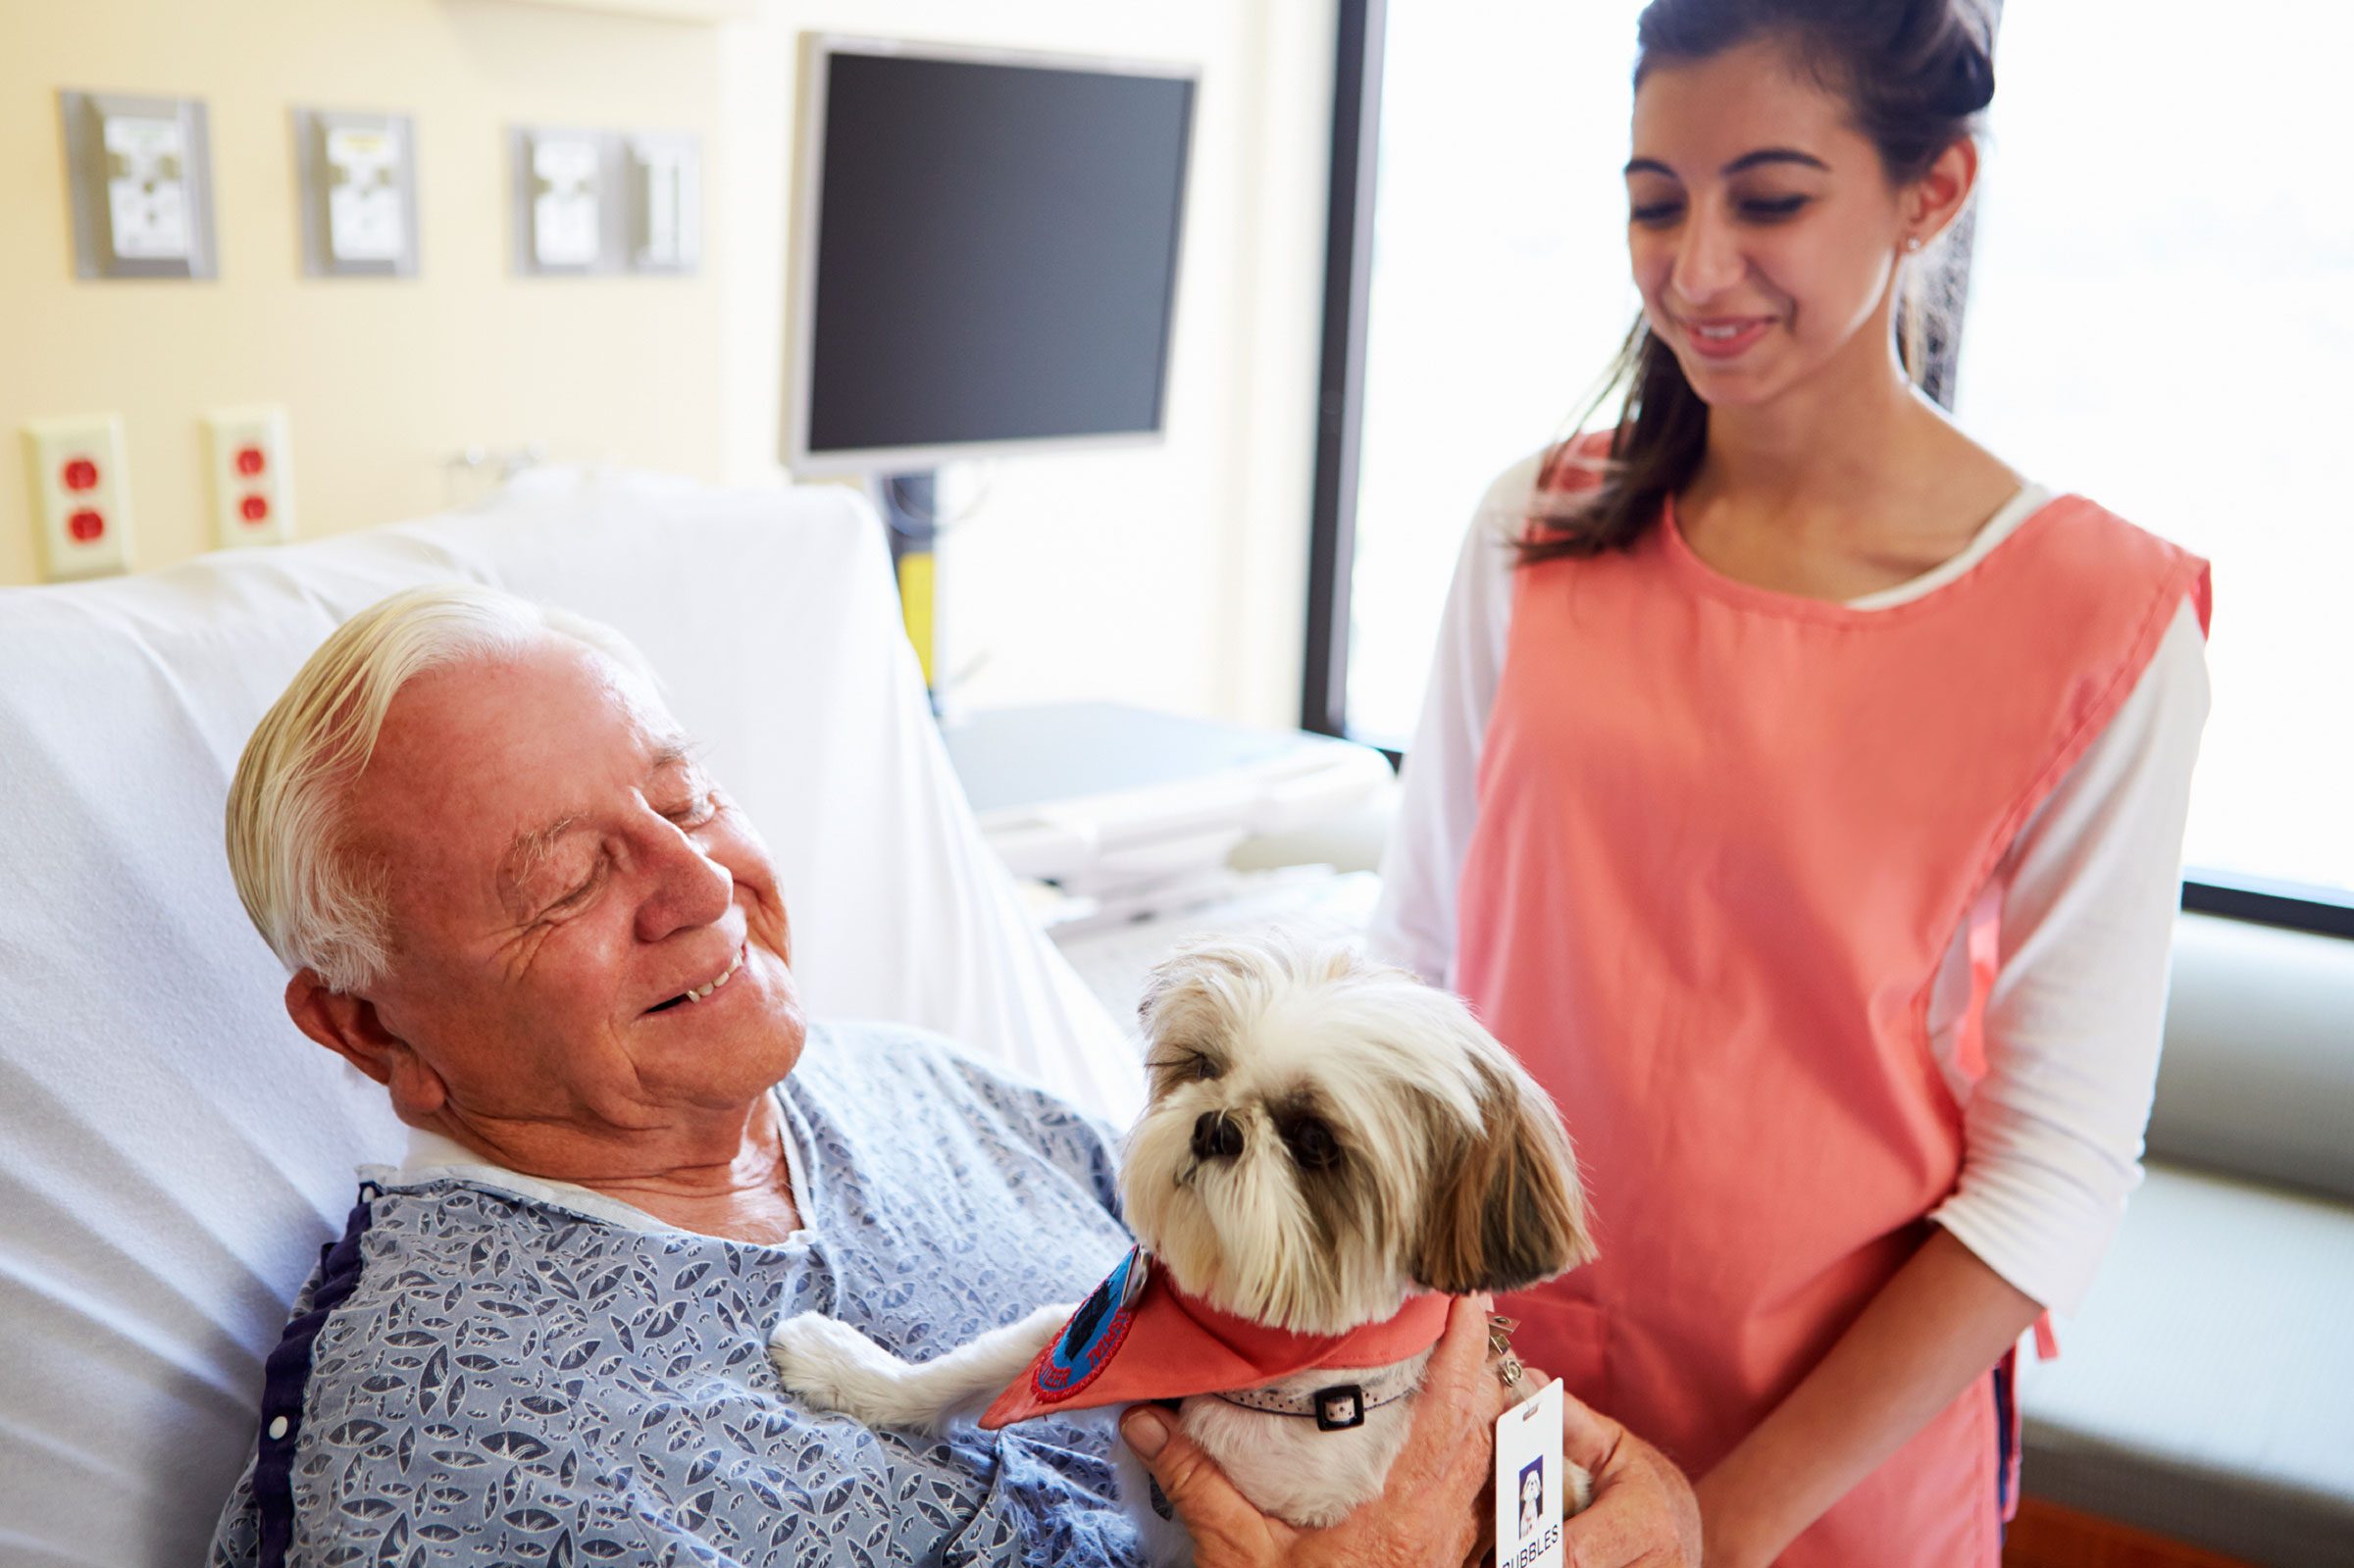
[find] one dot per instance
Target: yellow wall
(1172, 575)
(381, 378)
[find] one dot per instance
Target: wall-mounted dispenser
(139, 182)
(358, 176)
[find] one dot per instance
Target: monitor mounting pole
(909, 504)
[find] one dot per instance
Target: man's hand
(1430, 1513)
(1643, 1514)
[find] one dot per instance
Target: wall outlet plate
(663, 179)
(80, 494)
(358, 178)
(246, 455)
(138, 179)
(568, 212)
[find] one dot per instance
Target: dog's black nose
(1216, 1137)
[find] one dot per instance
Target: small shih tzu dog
(1331, 1149)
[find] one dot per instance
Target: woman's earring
(1912, 243)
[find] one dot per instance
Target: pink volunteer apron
(1725, 836)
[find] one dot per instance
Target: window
(2161, 315)
(1499, 291)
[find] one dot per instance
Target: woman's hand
(1431, 1512)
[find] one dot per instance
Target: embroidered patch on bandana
(1094, 1335)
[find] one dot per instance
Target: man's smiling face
(561, 874)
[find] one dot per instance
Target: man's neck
(731, 1182)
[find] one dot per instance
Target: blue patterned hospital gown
(475, 1375)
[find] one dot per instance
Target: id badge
(1530, 1486)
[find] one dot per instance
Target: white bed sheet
(173, 1153)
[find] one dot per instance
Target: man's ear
(349, 1026)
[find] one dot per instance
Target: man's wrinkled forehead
(477, 753)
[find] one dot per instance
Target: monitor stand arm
(909, 504)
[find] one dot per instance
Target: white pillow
(176, 1154)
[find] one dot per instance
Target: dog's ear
(1506, 1206)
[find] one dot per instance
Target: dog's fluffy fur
(1389, 1146)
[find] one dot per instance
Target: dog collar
(1341, 1407)
(1136, 1336)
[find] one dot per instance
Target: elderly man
(508, 892)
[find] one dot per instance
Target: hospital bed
(173, 1153)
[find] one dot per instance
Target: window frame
(1361, 35)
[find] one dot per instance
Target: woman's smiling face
(1762, 228)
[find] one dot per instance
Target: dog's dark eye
(1183, 1063)
(1311, 1143)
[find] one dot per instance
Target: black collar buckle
(1340, 1407)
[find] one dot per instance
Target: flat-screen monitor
(985, 253)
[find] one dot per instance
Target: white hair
(315, 907)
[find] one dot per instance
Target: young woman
(1801, 793)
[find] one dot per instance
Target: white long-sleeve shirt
(2053, 1131)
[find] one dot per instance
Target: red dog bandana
(1138, 1337)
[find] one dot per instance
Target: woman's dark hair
(1917, 77)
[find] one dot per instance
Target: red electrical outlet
(80, 500)
(253, 499)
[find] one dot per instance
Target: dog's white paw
(1581, 1489)
(831, 1366)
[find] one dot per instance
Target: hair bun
(1972, 79)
